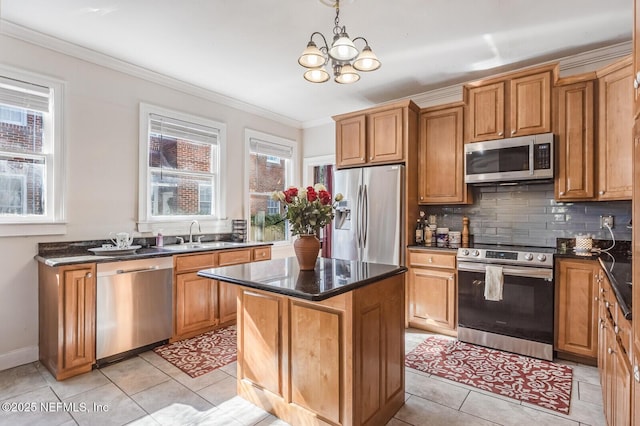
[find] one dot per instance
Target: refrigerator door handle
(365, 216)
(359, 218)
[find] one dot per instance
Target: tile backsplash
(528, 215)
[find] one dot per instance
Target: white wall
(101, 129)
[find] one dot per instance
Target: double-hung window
(181, 177)
(31, 154)
(271, 164)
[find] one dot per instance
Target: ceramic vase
(306, 248)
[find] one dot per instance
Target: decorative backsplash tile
(528, 215)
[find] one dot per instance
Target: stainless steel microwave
(525, 158)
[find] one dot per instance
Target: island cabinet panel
(260, 346)
(67, 306)
(339, 361)
(575, 178)
(576, 308)
(227, 302)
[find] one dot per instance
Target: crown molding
(19, 32)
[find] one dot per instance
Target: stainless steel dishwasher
(133, 306)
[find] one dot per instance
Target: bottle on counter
(419, 232)
(159, 239)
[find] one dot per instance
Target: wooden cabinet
(576, 309)
(516, 104)
(441, 156)
(380, 135)
(201, 304)
(339, 361)
(614, 359)
(575, 128)
(615, 138)
(635, 406)
(432, 291)
(66, 311)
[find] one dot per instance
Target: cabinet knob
(430, 260)
(606, 304)
(609, 351)
(636, 373)
(361, 158)
(422, 198)
(371, 158)
(500, 133)
(561, 192)
(450, 277)
(89, 275)
(513, 132)
(595, 298)
(616, 329)
(601, 192)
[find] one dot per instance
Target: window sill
(31, 229)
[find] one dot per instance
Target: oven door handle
(544, 273)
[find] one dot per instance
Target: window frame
(176, 224)
(54, 221)
(292, 174)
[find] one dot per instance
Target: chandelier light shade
(346, 59)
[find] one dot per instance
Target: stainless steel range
(505, 298)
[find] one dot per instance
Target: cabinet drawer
(234, 257)
(432, 259)
(195, 261)
(261, 253)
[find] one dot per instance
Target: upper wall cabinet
(380, 135)
(615, 141)
(517, 104)
(440, 156)
(575, 119)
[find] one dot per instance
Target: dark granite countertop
(76, 252)
(331, 277)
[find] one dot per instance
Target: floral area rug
(202, 354)
(530, 380)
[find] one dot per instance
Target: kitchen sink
(201, 246)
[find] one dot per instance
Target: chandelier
(342, 52)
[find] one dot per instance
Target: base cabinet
(576, 308)
(432, 291)
(67, 327)
(335, 362)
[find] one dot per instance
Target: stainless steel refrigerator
(368, 222)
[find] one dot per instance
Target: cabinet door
(485, 112)
(385, 136)
(432, 298)
(441, 161)
(351, 141)
(575, 172)
(615, 146)
(622, 391)
(78, 322)
(195, 300)
(227, 302)
(530, 105)
(576, 308)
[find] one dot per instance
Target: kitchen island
(321, 347)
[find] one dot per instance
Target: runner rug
(202, 354)
(530, 380)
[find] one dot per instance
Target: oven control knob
(542, 258)
(465, 252)
(528, 256)
(475, 253)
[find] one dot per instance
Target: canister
(442, 237)
(455, 239)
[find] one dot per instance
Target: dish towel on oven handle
(493, 281)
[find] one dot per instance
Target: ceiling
(248, 49)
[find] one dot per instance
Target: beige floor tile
(159, 362)
(134, 375)
(74, 385)
(231, 369)
(197, 383)
(19, 380)
(418, 411)
(397, 422)
(220, 392)
(510, 413)
(106, 405)
(242, 411)
(172, 400)
(38, 407)
(586, 373)
(474, 389)
(587, 392)
(435, 390)
(272, 420)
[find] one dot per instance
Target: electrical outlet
(606, 220)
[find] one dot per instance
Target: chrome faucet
(190, 229)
